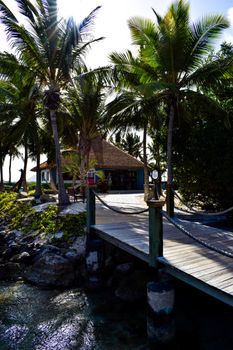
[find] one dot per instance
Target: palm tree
(13, 153)
(20, 96)
(133, 107)
(174, 52)
(86, 106)
(50, 46)
(132, 144)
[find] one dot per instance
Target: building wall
(140, 179)
(45, 176)
(125, 179)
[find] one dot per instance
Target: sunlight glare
(78, 9)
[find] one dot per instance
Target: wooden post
(169, 200)
(155, 230)
(90, 208)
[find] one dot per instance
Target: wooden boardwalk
(183, 257)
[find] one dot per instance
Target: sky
(111, 23)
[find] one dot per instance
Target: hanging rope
(201, 241)
(201, 213)
(120, 211)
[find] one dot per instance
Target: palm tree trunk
(38, 191)
(1, 176)
(63, 197)
(24, 182)
(146, 170)
(84, 150)
(10, 163)
(169, 194)
(52, 182)
(1, 171)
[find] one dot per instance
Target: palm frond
(88, 21)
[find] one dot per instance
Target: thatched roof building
(126, 172)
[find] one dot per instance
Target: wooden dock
(183, 257)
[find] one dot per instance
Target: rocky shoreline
(53, 261)
(35, 259)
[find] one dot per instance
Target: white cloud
(230, 15)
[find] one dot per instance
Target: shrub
(12, 211)
(19, 215)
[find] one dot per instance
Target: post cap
(155, 203)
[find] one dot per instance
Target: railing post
(170, 200)
(90, 208)
(155, 230)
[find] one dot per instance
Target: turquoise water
(34, 319)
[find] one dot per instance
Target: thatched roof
(114, 158)
(109, 157)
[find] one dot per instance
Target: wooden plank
(185, 258)
(189, 279)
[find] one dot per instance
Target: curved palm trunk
(10, 163)
(1, 176)
(146, 170)
(1, 170)
(24, 181)
(169, 195)
(63, 197)
(38, 191)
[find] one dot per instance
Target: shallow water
(34, 319)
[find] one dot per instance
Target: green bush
(12, 211)
(48, 191)
(31, 186)
(45, 186)
(19, 215)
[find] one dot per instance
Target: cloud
(230, 15)
(228, 34)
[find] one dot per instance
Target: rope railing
(194, 211)
(117, 210)
(199, 240)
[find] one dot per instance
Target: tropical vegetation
(175, 92)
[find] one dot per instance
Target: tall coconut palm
(49, 46)
(86, 105)
(174, 51)
(132, 107)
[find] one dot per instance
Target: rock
(48, 198)
(133, 287)
(23, 257)
(79, 246)
(73, 256)
(51, 270)
(49, 248)
(8, 253)
(22, 194)
(59, 235)
(13, 235)
(41, 207)
(10, 271)
(13, 245)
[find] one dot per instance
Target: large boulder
(52, 270)
(10, 271)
